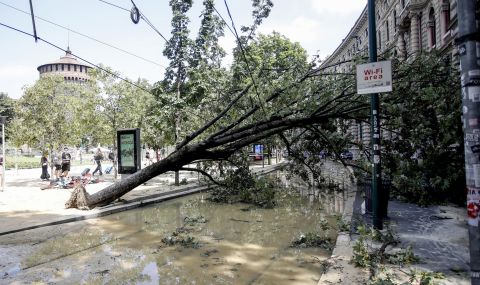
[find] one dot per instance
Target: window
(56, 67)
(74, 67)
(395, 20)
(388, 31)
(379, 40)
(420, 31)
(68, 68)
(81, 69)
(63, 67)
(446, 16)
(432, 28)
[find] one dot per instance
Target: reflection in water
(240, 244)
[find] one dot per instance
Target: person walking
(98, 157)
(66, 157)
(57, 163)
(44, 164)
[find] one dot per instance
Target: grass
(26, 162)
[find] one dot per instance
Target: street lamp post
(2, 120)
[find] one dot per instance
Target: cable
(141, 15)
(244, 57)
(221, 17)
(86, 36)
(111, 4)
(82, 59)
(148, 22)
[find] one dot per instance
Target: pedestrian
(98, 157)
(148, 158)
(44, 164)
(66, 157)
(111, 156)
(57, 164)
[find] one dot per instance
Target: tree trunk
(171, 163)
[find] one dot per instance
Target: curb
(112, 209)
(340, 270)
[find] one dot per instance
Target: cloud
(337, 6)
(301, 29)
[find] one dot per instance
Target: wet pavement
(437, 235)
(23, 205)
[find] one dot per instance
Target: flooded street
(235, 244)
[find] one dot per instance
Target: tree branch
(204, 173)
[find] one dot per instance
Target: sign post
(468, 49)
(128, 151)
(373, 78)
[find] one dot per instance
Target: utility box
(128, 151)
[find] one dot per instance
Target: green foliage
(240, 185)
(366, 255)
(382, 281)
(52, 113)
(404, 256)
(342, 226)
(425, 157)
(182, 239)
(311, 239)
(424, 277)
(7, 108)
(120, 106)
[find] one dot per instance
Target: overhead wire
(77, 56)
(141, 15)
(86, 36)
(244, 55)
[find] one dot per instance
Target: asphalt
(437, 234)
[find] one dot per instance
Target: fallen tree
(217, 140)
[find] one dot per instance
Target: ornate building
(68, 67)
(404, 27)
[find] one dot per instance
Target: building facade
(404, 28)
(68, 67)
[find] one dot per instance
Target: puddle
(239, 244)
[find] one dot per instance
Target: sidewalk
(438, 236)
(23, 205)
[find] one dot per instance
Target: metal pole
(375, 124)
(3, 154)
(467, 42)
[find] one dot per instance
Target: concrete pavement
(23, 205)
(437, 235)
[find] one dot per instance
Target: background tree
(52, 113)
(177, 51)
(120, 106)
(7, 108)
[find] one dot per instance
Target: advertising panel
(129, 157)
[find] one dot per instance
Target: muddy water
(238, 244)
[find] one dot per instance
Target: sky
(318, 25)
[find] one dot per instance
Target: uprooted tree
(279, 94)
(270, 91)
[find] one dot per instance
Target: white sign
(374, 77)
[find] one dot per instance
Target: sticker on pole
(374, 77)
